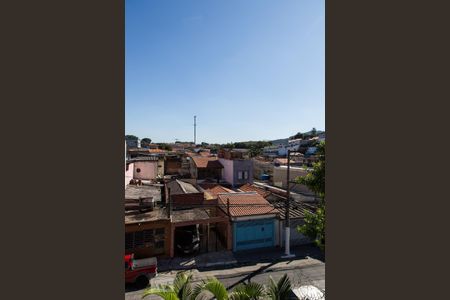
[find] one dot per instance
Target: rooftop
(185, 215)
(143, 158)
(296, 209)
(155, 215)
(251, 188)
(217, 189)
(180, 187)
(245, 204)
(207, 162)
(135, 192)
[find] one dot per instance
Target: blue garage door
(253, 234)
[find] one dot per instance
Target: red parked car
(140, 271)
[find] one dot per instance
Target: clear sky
(249, 69)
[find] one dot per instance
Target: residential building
(236, 169)
(253, 220)
(202, 168)
(147, 227)
(133, 143)
(262, 167)
(280, 178)
(145, 167)
(296, 212)
(183, 195)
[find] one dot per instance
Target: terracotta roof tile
(214, 191)
(246, 204)
(251, 188)
(207, 162)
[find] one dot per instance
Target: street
(301, 271)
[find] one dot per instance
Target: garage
(253, 234)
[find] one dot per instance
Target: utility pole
(195, 128)
(287, 224)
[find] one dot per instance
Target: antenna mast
(195, 128)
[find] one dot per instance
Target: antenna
(195, 128)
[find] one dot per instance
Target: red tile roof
(251, 188)
(207, 162)
(214, 191)
(246, 204)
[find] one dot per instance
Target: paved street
(302, 270)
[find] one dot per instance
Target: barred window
(152, 238)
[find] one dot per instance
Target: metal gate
(253, 234)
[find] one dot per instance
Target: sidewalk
(227, 259)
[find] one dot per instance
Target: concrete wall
(148, 170)
(149, 251)
(280, 178)
(187, 200)
(129, 174)
(227, 172)
(241, 165)
(261, 167)
(231, 169)
(296, 237)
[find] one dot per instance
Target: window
(245, 174)
(138, 170)
(239, 175)
(150, 238)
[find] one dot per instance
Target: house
(262, 167)
(145, 168)
(283, 161)
(251, 188)
(147, 227)
(132, 142)
(205, 168)
(236, 169)
(172, 164)
(280, 178)
(183, 195)
(253, 220)
(214, 229)
(296, 212)
(321, 137)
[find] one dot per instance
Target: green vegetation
(164, 146)
(314, 226)
(306, 135)
(145, 142)
(183, 289)
(131, 137)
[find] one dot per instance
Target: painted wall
(241, 165)
(149, 250)
(280, 178)
(227, 172)
(129, 173)
(296, 237)
(232, 167)
(148, 170)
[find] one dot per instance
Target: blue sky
(249, 69)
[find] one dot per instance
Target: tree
(279, 290)
(183, 289)
(298, 135)
(131, 137)
(314, 226)
(164, 146)
(146, 142)
(313, 132)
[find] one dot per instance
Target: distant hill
(280, 141)
(285, 141)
